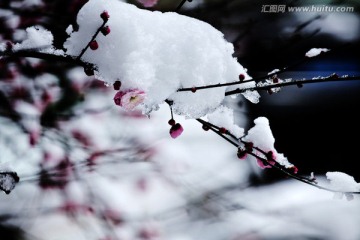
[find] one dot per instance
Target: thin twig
(93, 38)
(276, 165)
(294, 82)
(180, 5)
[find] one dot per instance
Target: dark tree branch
(35, 53)
(180, 5)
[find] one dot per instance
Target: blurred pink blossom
(148, 3)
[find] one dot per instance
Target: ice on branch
(315, 51)
(157, 53)
(224, 117)
(8, 181)
(262, 138)
(270, 82)
(342, 182)
(274, 71)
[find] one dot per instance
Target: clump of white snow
(37, 37)
(157, 53)
(224, 117)
(316, 51)
(261, 136)
(274, 71)
(342, 182)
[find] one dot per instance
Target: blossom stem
(216, 130)
(92, 38)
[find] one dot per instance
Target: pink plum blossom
(148, 3)
(129, 99)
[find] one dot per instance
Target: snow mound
(157, 53)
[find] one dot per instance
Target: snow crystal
(8, 181)
(37, 37)
(343, 182)
(224, 117)
(69, 29)
(274, 71)
(316, 51)
(157, 53)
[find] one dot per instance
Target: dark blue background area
(318, 126)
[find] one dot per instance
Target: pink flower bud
(241, 154)
(105, 30)
(241, 77)
(205, 127)
(223, 130)
(117, 85)
(105, 15)
(295, 169)
(94, 45)
(176, 130)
